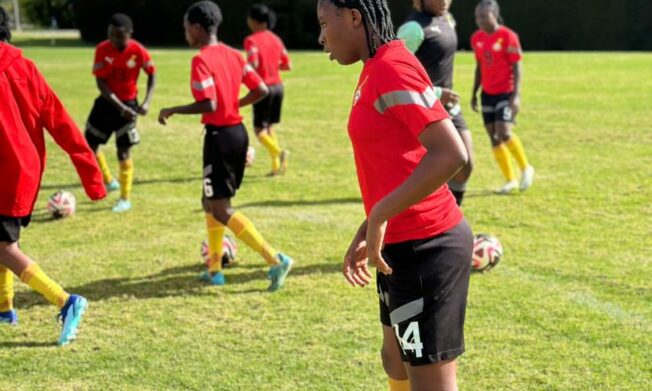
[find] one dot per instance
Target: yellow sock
(398, 385)
(40, 282)
(244, 230)
(516, 148)
(273, 134)
(6, 289)
(502, 158)
(126, 178)
(106, 171)
(273, 149)
(215, 231)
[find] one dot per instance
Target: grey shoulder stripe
(406, 311)
(425, 99)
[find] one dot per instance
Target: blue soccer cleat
(71, 315)
(278, 272)
(9, 317)
(112, 186)
(122, 206)
(213, 279)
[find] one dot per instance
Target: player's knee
(123, 154)
(392, 363)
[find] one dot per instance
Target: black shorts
(459, 122)
(424, 299)
(10, 227)
(495, 108)
(268, 111)
(225, 152)
(106, 119)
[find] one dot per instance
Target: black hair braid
(377, 20)
(5, 33)
(493, 6)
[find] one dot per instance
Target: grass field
(569, 307)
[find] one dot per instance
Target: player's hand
(375, 235)
(143, 109)
(474, 103)
(449, 97)
(128, 113)
(515, 104)
(355, 267)
(163, 115)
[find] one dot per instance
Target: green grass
(569, 307)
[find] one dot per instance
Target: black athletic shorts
(268, 111)
(495, 108)
(106, 119)
(10, 227)
(424, 299)
(225, 152)
(459, 122)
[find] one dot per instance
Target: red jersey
(120, 69)
(28, 106)
(496, 53)
(266, 54)
(216, 74)
(393, 103)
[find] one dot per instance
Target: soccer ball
(61, 204)
(229, 251)
(487, 252)
(251, 156)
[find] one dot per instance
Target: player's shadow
(26, 344)
(174, 281)
(137, 182)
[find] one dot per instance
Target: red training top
(120, 69)
(266, 54)
(28, 106)
(496, 53)
(393, 103)
(216, 74)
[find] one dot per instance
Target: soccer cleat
(9, 317)
(71, 314)
(213, 279)
(527, 176)
(122, 206)
(507, 188)
(113, 186)
(278, 272)
(285, 154)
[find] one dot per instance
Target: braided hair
(493, 7)
(376, 18)
(5, 33)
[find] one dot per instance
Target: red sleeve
(285, 59)
(405, 93)
(100, 67)
(474, 47)
(250, 78)
(201, 81)
(252, 52)
(514, 52)
(56, 120)
(148, 64)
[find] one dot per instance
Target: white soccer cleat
(507, 188)
(527, 177)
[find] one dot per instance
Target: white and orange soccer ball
(229, 252)
(251, 156)
(61, 204)
(487, 252)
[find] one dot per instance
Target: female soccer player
(28, 106)
(430, 34)
(405, 148)
(267, 55)
(498, 70)
(216, 74)
(118, 62)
